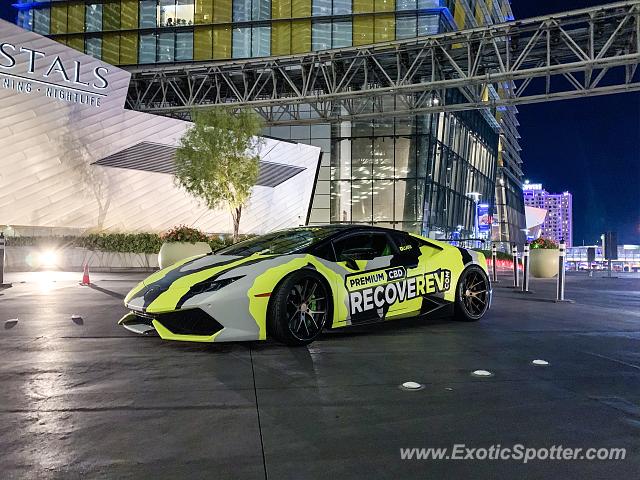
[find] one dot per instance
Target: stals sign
(30, 71)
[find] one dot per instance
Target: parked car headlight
(209, 286)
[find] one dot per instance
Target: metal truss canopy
(588, 52)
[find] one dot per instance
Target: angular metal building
(74, 159)
(385, 160)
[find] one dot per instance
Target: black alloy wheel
(473, 295)
(300, 308)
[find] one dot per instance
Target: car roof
(341, 227)
(335, 229)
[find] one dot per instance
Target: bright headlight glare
(48, 258)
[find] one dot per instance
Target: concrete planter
(544, 262)
(72, 259)
(172, 252)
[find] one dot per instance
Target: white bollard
(494, 261)
(562, 253)
(516, 275)
(525, 269)
(561, 258)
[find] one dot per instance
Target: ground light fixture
(482, 373)
(10, 323)
(411, 386)
(540, 363)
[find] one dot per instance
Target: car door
(413, 259)
(367, 256)
(427, 276)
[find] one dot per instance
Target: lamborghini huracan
(292, 284)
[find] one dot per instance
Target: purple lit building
(558, 224)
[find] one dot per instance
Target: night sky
(590, 147)
(6, 11)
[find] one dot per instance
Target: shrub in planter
(543, 244)
(544, 258)
(121, 242)
(182, 242)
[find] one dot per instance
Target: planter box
(544, 262)
(172, 252)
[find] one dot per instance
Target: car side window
(363, 246)
(325, 251)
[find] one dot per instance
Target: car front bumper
(189, 325)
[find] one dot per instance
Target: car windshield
(278, 243)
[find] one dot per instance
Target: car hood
(192, 265)
(207, 265)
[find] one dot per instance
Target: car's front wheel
(299, 308)
(472, 294)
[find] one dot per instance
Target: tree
(217, 160)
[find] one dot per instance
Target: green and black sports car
(292, 284)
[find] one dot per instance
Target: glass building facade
(408, 173)
(129, 32)
(413, 173)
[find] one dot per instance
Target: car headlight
(211, 285)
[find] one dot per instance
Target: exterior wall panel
(221, 42)
(128, 48)
(129, 15)
(363, 30)
(111, 16)
(111, 48)
(385, 28)
(76, 17)
(300, 8)
(202, 43)
(281, 38)
(281, 8)
(222, 11)
(203, 12)
(58, 19)
(300, 36)
(49, 176)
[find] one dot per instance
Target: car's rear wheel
(299, 308)
(472, 294)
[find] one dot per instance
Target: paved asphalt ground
(87, 399)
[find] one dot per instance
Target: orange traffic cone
(85, 275)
